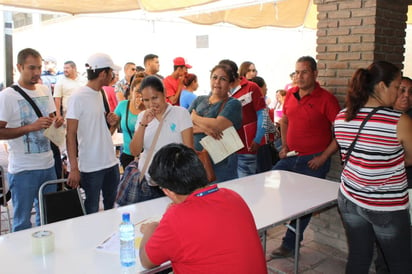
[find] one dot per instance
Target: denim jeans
(391, 231)
(246, 164)
(299, 164)
(105, 180)
(24, 187)
(226, 169)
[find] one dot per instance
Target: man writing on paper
(196, 232)
(306, 131)
(31, 160)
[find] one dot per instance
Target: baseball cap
(180, 61)
(101, 60)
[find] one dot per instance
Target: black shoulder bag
(56, 151)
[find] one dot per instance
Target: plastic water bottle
(127, 249)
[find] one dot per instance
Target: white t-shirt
(65, 87)
(95, 142)
(177, 120)
(32, 150)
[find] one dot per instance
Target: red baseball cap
(180, 61)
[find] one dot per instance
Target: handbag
(133, 187)
(132, 190)
(207, 164)
(266, 157)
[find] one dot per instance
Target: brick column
(352, 34)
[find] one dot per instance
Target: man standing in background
(65, 87)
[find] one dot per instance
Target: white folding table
(274, 198)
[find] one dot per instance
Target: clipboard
(250, 132)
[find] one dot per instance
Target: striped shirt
(374, 176)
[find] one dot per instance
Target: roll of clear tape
(42, 242)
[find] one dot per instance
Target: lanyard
(207, 192)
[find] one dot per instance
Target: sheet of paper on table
(220, 149)
(112, 243)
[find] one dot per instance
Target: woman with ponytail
(375, 144)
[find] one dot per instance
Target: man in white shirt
(96, 168)
(65, 87)
(31, 160)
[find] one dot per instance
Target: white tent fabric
(242, 13)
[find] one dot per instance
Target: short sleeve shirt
(232, 111)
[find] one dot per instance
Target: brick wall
(352, 34)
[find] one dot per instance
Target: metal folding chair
(63, 204)
(5, 196)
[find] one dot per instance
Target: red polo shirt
(212, 231)
(252, 100)
(310, 120)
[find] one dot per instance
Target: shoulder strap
(106, 105)
(152, 146)
(352, 146)
(28, 99)
(222, 106)
(127, 119)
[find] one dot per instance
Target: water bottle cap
(126, 217)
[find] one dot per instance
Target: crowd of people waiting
(163, 117)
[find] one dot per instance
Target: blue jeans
(246, 164)
(24, 187)
(299, 164)
(105, 180)
(226, 169)
(391, 230)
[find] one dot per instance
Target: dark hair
(24, 53)
(190, 77)
(176, 67)
(227, 69)
(137, 79)
(232, 65)
(94, 73)
(363, 83)
(139, 69)
(71, 63)
(406, 78)
(310, 60)
(149, 57)
(258, 80)
(177, 168)
(244, 68)
(153, 82)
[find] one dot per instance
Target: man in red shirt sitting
(206, 229)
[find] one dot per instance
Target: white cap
(101, 60)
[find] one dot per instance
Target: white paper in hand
(220, 149)
(56, 135)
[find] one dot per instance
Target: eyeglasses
(133, 69)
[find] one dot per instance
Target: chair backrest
(5, 193)
(60, 205)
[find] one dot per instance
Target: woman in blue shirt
(128, 110)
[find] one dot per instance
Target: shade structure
(287, 13)
(242, 13)
(103, 6)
